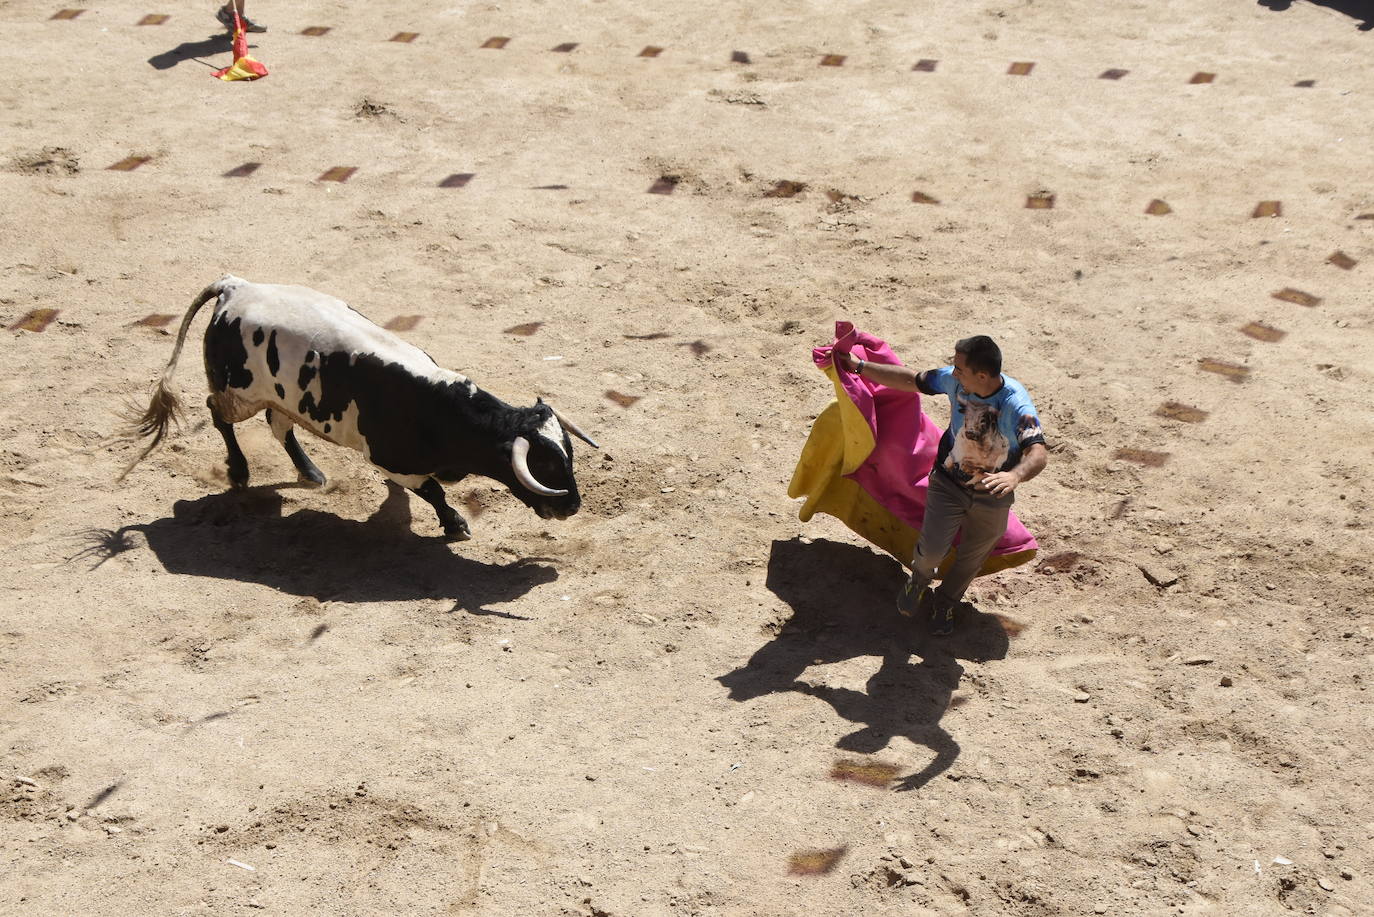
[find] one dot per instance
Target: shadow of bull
(242, 535)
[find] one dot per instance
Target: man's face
(975, 382)
(962, 374)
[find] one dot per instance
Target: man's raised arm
(888, 374)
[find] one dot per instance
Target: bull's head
(541, 460)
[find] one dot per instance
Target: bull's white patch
(552, 431)
(311, 320)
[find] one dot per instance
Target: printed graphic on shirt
(1028, 430)
(985, 435)
(979, 447)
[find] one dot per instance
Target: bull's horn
(573, 428)
(519, 461)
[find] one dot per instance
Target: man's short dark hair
(981, 353)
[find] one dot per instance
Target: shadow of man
(842, 598)
(192, 50)
(242, 535)
(1355, 9)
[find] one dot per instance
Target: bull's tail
(164, 409)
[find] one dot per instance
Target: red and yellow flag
(244, 66)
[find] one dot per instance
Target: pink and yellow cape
(869, 455)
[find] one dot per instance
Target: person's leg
(946, 503)
(984, 524)
(226, 16)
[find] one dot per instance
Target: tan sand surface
(648, 710)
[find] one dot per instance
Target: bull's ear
(538, 400)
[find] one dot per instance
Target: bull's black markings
(257, 338)
(226, 358)
(335, 395)
(281, 392)
(307, 373)
(273, 358)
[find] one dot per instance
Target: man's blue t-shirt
(985, 435)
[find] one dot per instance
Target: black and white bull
(309, 359)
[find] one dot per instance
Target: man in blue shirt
(993, 444)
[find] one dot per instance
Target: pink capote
(896, 471)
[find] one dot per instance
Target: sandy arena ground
(299, 701)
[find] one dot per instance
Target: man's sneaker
(226, 18)
(942, 617)
(910, 596)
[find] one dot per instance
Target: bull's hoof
(238, 478)
(313, 477)
(459, 532)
